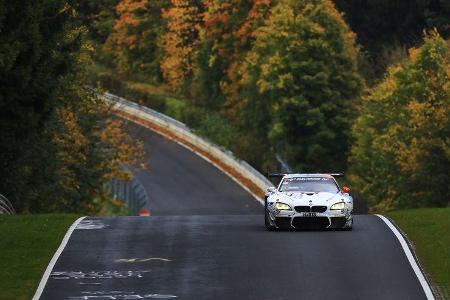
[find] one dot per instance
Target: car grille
(310, 223)
(302, 209)
(317, 209)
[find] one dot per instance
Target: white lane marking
(97, 274)
(90, 224)
(54, 259)
(116, 295)
(410, 256)
(139, 260)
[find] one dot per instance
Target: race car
(308, 201)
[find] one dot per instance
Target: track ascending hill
(206, 240)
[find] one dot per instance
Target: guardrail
(222, 158)
(131, 192)
(6, 206)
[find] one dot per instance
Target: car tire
(348, 228)
(269, 227)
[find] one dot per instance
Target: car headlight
(282, 206)
(338, 206)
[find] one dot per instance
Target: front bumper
(326, 220)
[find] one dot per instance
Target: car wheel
(348, 228)
(269, 226)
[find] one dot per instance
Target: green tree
(38, 44)
(298, 84)
(98, 17)
(56, 146)
(401, 155)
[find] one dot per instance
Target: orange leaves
(127, 11)
(135, 40)
(179, 42)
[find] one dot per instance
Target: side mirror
(271, 189)
(345, 190)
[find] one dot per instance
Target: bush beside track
(28, 242)
(429, 231)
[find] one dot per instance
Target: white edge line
(202, 156)
(410, 256)
(54, 259)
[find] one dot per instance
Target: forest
(354, 86)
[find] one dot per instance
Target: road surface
(206, 240)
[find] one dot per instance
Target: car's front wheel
(267, 223)
(349, 228)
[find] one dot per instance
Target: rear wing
(281, 175)
(276, 175)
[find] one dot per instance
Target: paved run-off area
(206, 240)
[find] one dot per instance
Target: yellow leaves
(67, 8)
(71, 144)
(92, 148)
(179, 42)
(404, 129)
(71, 139)
(263, 85)
(126, 151)
(413, 53)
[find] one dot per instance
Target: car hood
(321, 198)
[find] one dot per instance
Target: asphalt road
(179, 182)
(206, 240)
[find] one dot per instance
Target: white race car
(308, 201)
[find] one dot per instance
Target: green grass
(175, 107)
(429, 231)
(27, 244)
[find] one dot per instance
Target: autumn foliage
(58, 143)
(302, 81)
(401, 154)
(180, 41)
(135, 37)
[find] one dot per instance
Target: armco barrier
(6, 206)
(238, 170)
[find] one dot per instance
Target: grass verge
(27, 244)
(429, 231)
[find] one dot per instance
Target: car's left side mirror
(345, 189)
(271, 189)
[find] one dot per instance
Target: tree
(98, 17)
(180, 42)
(401, 155)
(225, 37)
(298, 84)
(387, 28)
(134, 41)
(90, 149)
(53, 150)
(38, 45)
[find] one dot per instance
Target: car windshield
(309, 184)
